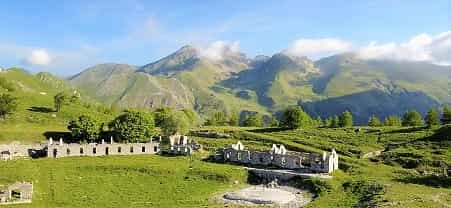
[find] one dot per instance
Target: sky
(66, 37)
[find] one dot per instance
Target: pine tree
(412, 118)
(319, 122)
(432, 118)
(374, 121)
(346, 119)
(446, 116)
(392, 121)
(335, 123)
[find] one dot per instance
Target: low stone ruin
(279, 157)
(18, 150)
(179, 145)
(17, 193)
(61, 149)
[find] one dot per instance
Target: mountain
(189, 78)
(276, 80)
(185, 79)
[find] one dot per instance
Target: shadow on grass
(57, 135)
(41, 109)
(267, 130)
(408, 130)
(433, 181)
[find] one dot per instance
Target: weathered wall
(278, 157)
(58, 150)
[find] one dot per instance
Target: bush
(8, 104)
(175, 122)
(85, 128)
(412, 118)
(253, 120)
(133, 126)
(295, 117)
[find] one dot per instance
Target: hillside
(184, 79)
(35, 111)
(264, 84)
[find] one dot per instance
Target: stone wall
(279, 157)
(15, 149)
(57, 150)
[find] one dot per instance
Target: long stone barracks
(61, 149)
(279, 157)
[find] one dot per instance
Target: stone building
(61, 149)
(279, 157)
(17, 193)
(17, 150)
(180, 145)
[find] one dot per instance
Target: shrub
(133, 126)
(85, 128)
(8, 104)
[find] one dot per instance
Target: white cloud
(220, 49)
(39, 57)
(422, 47)
(318, 47)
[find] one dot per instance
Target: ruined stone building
(17, 150)
(279, 157)
(17, 193)
(179, 145)
(61, 149)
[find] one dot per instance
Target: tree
(59, 100)
(412, 118)
(191, 116)
(295, 117)
(274, 122)
(8, 104)
(374, 121)
(318, 122)
(328, 122)
(253, 120)
(346, 119)
(392, 121)
(133, 126)
(234, 119)
(446, 116)
(175, 122)
(85, 128)
(217, 118)
(160, 114)
(432, 118)
(335, 123)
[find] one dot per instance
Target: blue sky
(65, 37)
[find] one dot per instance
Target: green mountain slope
(35, 111)
(328, 86)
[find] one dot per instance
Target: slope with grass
(35, 113)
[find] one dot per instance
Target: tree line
(294, 117)
(133, 125)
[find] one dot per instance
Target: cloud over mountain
(422, 47)
(39, 57)
(219, 49)
(316, 48)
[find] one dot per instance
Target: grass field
(138, 181)
(158, 181)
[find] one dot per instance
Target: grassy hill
(408, 175)
(35, 113)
